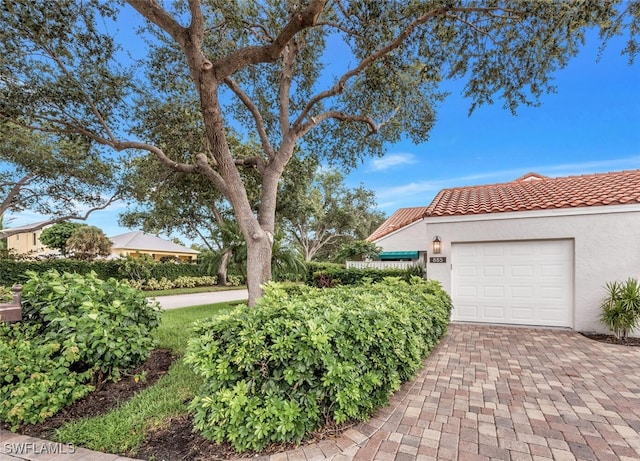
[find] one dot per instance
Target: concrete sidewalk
(198, 299)
(16, 447)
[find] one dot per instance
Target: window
(35, 239)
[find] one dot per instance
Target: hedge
(307, 356)
(13, 271)
(329, 275)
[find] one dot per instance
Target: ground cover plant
(278, 371)
(77, 331)
(125, 428)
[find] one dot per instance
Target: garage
(513, 282)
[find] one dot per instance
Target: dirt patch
(177, 441)
(106, 397)
(610, 339)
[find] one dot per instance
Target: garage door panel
(526, 282)
(493, 292)
(525, 292)
(493, 271)
(520, 270)
(494, 313)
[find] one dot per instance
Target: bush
(14, 271)
(621, 308)
(303, 356)
(37, 380)
(108, 321)
(331, 276)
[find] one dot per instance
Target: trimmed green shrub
(14, 271)
(331, 276)
(108, 321)
(303, 356)
(37, 380)
(620, 310)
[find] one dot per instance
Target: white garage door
(524, 282)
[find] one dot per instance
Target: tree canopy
(320, 213)
(263, 68)
(56, 236)
(88, 242)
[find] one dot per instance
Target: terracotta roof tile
(536, 192)
(402, 217)
(527, 193)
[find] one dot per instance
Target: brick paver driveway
(505, 393)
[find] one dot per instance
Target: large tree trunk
(222, 268)
(258, 265)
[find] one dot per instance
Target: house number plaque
(437, 259)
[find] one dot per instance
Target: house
(25, 240)
(534, 251)
(138, 243)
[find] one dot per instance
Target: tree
(167, 201)
(358, 250)
(88, 242)
(50, 175)
(320, 212)
(261, 66)
(56, 236)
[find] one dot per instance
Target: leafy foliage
(277, 372)
(14, 271)
(37, 380)
(76, 331)
(358, 250)
(319, 212)
(56, 236)
(88, 242)
(261, 68)
(108, 321)
(332, 275)
(620, 310)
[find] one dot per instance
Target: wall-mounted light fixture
(437, 245)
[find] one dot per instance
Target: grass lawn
(123, 429)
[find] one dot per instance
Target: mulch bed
(610, 339)
(173, 442)
(106, 397)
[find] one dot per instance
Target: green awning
(386, 255)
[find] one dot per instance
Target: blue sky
(591, 124)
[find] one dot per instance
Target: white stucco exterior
(606, 243)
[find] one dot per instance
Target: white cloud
(392, 160)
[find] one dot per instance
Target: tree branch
(152, 11)
(9, 232)
(244, 57)
(15, 190)
(314, 121)
(284, 91)
(385, 50)
(257, 116)
(256, 162)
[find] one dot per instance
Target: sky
(591, 124)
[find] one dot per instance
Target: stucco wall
(410, 238)
(606, 242)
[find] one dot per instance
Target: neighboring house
(138, 243)
(535, 251)
(27, 240)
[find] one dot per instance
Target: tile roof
(401, 218)
(140, 241)
(527, 193)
